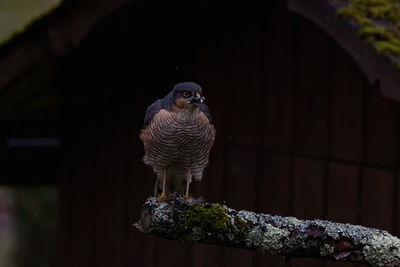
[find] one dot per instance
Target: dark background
(300, 131)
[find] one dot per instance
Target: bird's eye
(186, 94)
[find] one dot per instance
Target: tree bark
(217, 224)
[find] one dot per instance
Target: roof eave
(55, 39)
(376, 67)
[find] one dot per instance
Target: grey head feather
(189, 86)
(168, 102)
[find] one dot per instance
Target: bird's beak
(197, 99)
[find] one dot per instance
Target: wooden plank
(324, 263)
(377, 199)
(381, 129)
(244, 128)
(342, 205)
(274, 189)
(140, 249)
(240, 194)
(342, 192)
(306, 263)
(78, 166)
(308, 188)
(110, 207)
(347, 107)
(270, 260)
(83, 246)
(98, 184)
(109, 170)
(329, 263)
(278, 104)
(238, 257)
(308, 197)
(241, 178)
(67, 206)
(397, 207)
(313, 90)
(245, 89)
(174, 253)
(206, 255)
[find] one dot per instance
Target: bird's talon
(187, 197)
(162, 198)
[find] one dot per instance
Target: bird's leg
(163, 195)
(187, 185)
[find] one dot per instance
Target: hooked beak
(197, 99)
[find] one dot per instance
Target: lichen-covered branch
(287, 236)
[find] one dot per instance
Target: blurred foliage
(379, 24)
(34, 217)
(16, 15)
(8, 241)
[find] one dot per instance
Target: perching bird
(178, 134)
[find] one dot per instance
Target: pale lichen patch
(383, 250)
(266, 240)
(326, 250)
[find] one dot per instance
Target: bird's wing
(206, 111)
(152, 110)
(158, 105)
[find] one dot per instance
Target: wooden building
(302, 127)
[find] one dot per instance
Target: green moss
(373, 9)
(379, 22)
(389, 48)
(214, 221)
(240, 225)
(395, 65)
(214, 218)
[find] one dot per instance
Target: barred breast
(178, 140)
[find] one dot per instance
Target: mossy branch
(287, 236)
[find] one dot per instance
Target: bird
(178, 134)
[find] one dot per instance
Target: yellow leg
(163, 196)
(187, 185)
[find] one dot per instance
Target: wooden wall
(299, 132)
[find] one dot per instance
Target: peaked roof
(369, 30)
(54, 35)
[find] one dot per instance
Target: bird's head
(188, 95)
